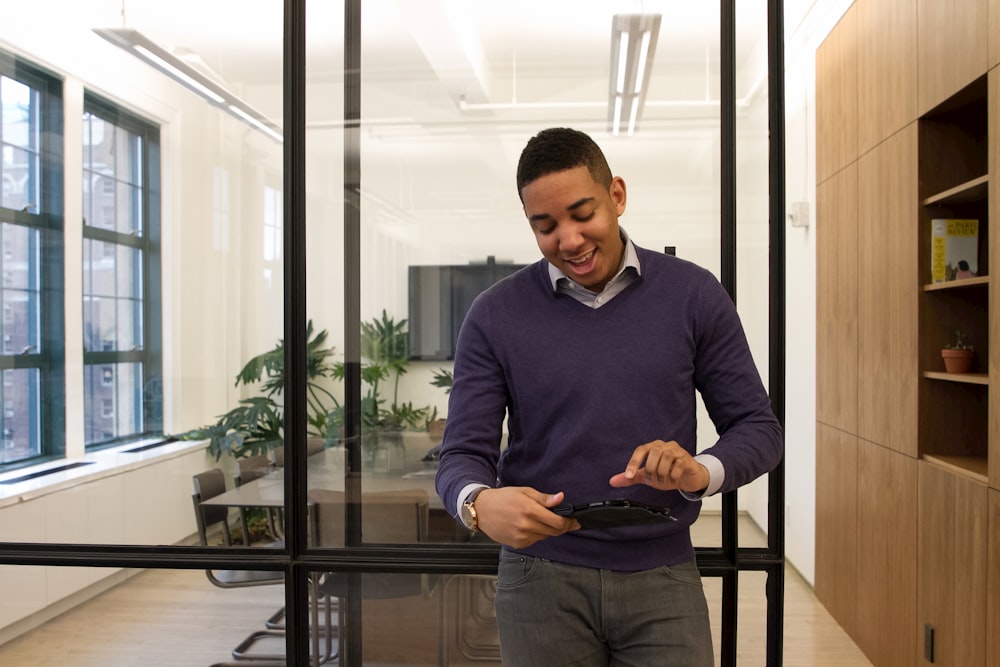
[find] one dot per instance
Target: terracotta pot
(957, 361)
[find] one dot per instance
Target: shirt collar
(630, 259)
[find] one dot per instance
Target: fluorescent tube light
(137, 44)
(633, 44)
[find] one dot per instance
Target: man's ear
(618, 194)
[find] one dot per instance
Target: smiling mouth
(581, 260)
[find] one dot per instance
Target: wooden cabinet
(993, 162)
(954, 408)
(919, 447)
(994, 33)
(836, 524)
(887, 293)
(837, 99)
(887, 555)
(993, 580)
(953, 568)
(887, 68)
(952, 44)
(837, 300)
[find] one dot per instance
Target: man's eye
(584, 218)
(545, 231)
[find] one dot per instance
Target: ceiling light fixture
(134, 42)
(633, 43)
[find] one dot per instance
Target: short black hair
(559, 149)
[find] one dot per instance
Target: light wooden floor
(176, 618)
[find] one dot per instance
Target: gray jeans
(555, 615)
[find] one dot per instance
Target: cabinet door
(887, 555)
(887, 68)
(836, 524)
(837, 300)
(888, 318)
(952, 563)
(993, 581)
(837, 98)
(952, 45)
(994, 32)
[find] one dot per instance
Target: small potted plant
(957, 355)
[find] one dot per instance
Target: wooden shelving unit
(954, 183)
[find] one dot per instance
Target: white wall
(807, 26)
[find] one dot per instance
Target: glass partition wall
(331, 184)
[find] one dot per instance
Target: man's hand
(519, 516)
(665, 466)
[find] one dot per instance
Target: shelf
(967, 378)
(958, 284)
(975, 190)
(973, 467)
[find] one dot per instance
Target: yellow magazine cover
(954, 249)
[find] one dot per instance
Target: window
(120, 275)
(31, 237)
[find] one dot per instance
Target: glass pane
(408, 619)
(113, 290)
(19, 146)
(19, 291)
(752, 213)
(128, 157)
(19, 128)
(19, 425)
(113, 394)
(145, 617)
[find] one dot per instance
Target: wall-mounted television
(439, 298)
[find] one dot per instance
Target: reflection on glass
(408, 619)
(19, 421)
(116, 401)
(19, 146)
(146, 617)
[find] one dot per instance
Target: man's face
(575, 222)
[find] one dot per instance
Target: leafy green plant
(443, 378)
(256, 425)
(385, 351)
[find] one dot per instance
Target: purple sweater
(583, 387)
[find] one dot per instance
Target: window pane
(19, 139)
(112, 297)
(19, 420)
(19, 294)
(114, 401)
(112, 193)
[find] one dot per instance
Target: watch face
(466, 515)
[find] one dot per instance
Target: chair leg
(244, 527)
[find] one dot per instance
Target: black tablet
(613, 513)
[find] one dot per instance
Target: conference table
(326, 470)
(426, 617)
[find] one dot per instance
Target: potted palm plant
(385, 352)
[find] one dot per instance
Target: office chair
(394, 517)
(210, 484)
(207, 485)
(248, 469)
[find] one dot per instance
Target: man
(594, 355)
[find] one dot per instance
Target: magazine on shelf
(954, 249)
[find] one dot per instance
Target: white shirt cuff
(716, 475)
(464, 493)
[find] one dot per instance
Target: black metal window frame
(44, 217)
(147, 244)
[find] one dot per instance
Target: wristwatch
(468, 513)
